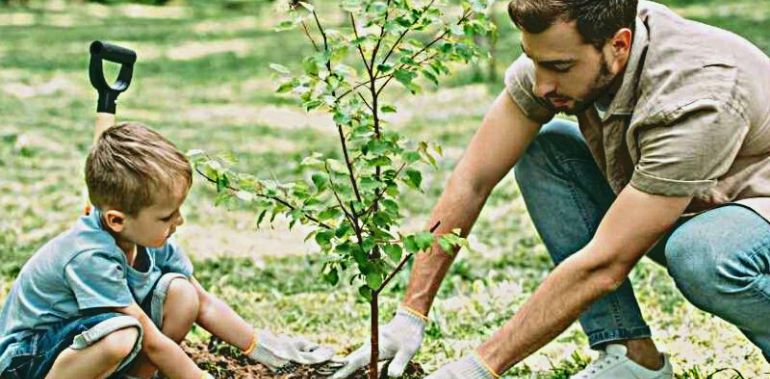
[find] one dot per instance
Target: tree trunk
(375, 342)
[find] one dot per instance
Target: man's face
(569, 73)
(153, 225)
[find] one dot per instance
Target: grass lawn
(203, 80)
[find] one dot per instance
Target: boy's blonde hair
(131, 162)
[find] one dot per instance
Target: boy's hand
(277, 351)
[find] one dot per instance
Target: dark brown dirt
(225, 362)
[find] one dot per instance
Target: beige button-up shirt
(691, 118)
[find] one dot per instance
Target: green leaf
(320, 180)
(388, 109)
(280, 69)
(323, 238)
(365, 292)
(394, 252)
(286, 87)
(261, 217)
(374, 280)
(410, 244)
(424, 240)
(404, 77)
(413, 178)
(332, 277)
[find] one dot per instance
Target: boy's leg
(93, 346)
(720, 260)
(96, 361)
(174, 308)
(566, 197)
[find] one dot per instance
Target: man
(671, 158)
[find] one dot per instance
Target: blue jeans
(719, 259)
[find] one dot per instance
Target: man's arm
(634, 222)
(503, 137)
(161, 350)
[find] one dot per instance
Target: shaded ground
(226, 363)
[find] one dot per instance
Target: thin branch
(349, 216)
(405, 32)
(380, 193)
(339, 126)
(360, 49)
(273, 198)
(401, 265)
(426, 47)
(379, 40)
(365, 102)
(307, 33)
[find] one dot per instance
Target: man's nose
(544, 84)
(180, 220)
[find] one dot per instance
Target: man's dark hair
(597, 20)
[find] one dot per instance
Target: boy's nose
(180, 220)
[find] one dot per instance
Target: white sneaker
(614, 364)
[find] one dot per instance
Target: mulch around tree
(225, 362)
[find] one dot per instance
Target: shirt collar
(625, 99)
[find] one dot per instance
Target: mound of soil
(225, 362)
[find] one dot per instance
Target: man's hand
(470, 367)
(399, 340)
(277, 351)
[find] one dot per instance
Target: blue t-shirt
(81, 269)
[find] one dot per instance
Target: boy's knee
(182, 293)
(119, 344)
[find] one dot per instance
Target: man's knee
(558, 137)
(119, 344)
(704, 266)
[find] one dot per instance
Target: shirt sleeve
(519, 83)
(171, 258)
(98, 280)
(684, 151)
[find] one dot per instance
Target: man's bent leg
(567, 196)
(720, 260)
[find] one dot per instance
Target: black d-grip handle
(108, 94)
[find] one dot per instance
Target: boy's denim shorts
(38, 353)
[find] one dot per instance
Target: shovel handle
(108, 94)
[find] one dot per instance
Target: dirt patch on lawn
(224, 362)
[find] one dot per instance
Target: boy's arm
(161, 350)
(220, 320)
(274, 351)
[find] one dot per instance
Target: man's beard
(604, 80)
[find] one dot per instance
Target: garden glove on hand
(399, 340)
(277, 351)
(470, 367)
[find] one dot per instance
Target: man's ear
(619, 49)
(115, 220)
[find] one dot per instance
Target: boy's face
(153, 225)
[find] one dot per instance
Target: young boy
(113, 296)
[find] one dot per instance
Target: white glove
(399, 340)
(277, 351)
(469, 367)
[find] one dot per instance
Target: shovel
(108, 94)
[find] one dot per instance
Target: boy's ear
(115, 220)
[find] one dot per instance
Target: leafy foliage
(354, 202)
